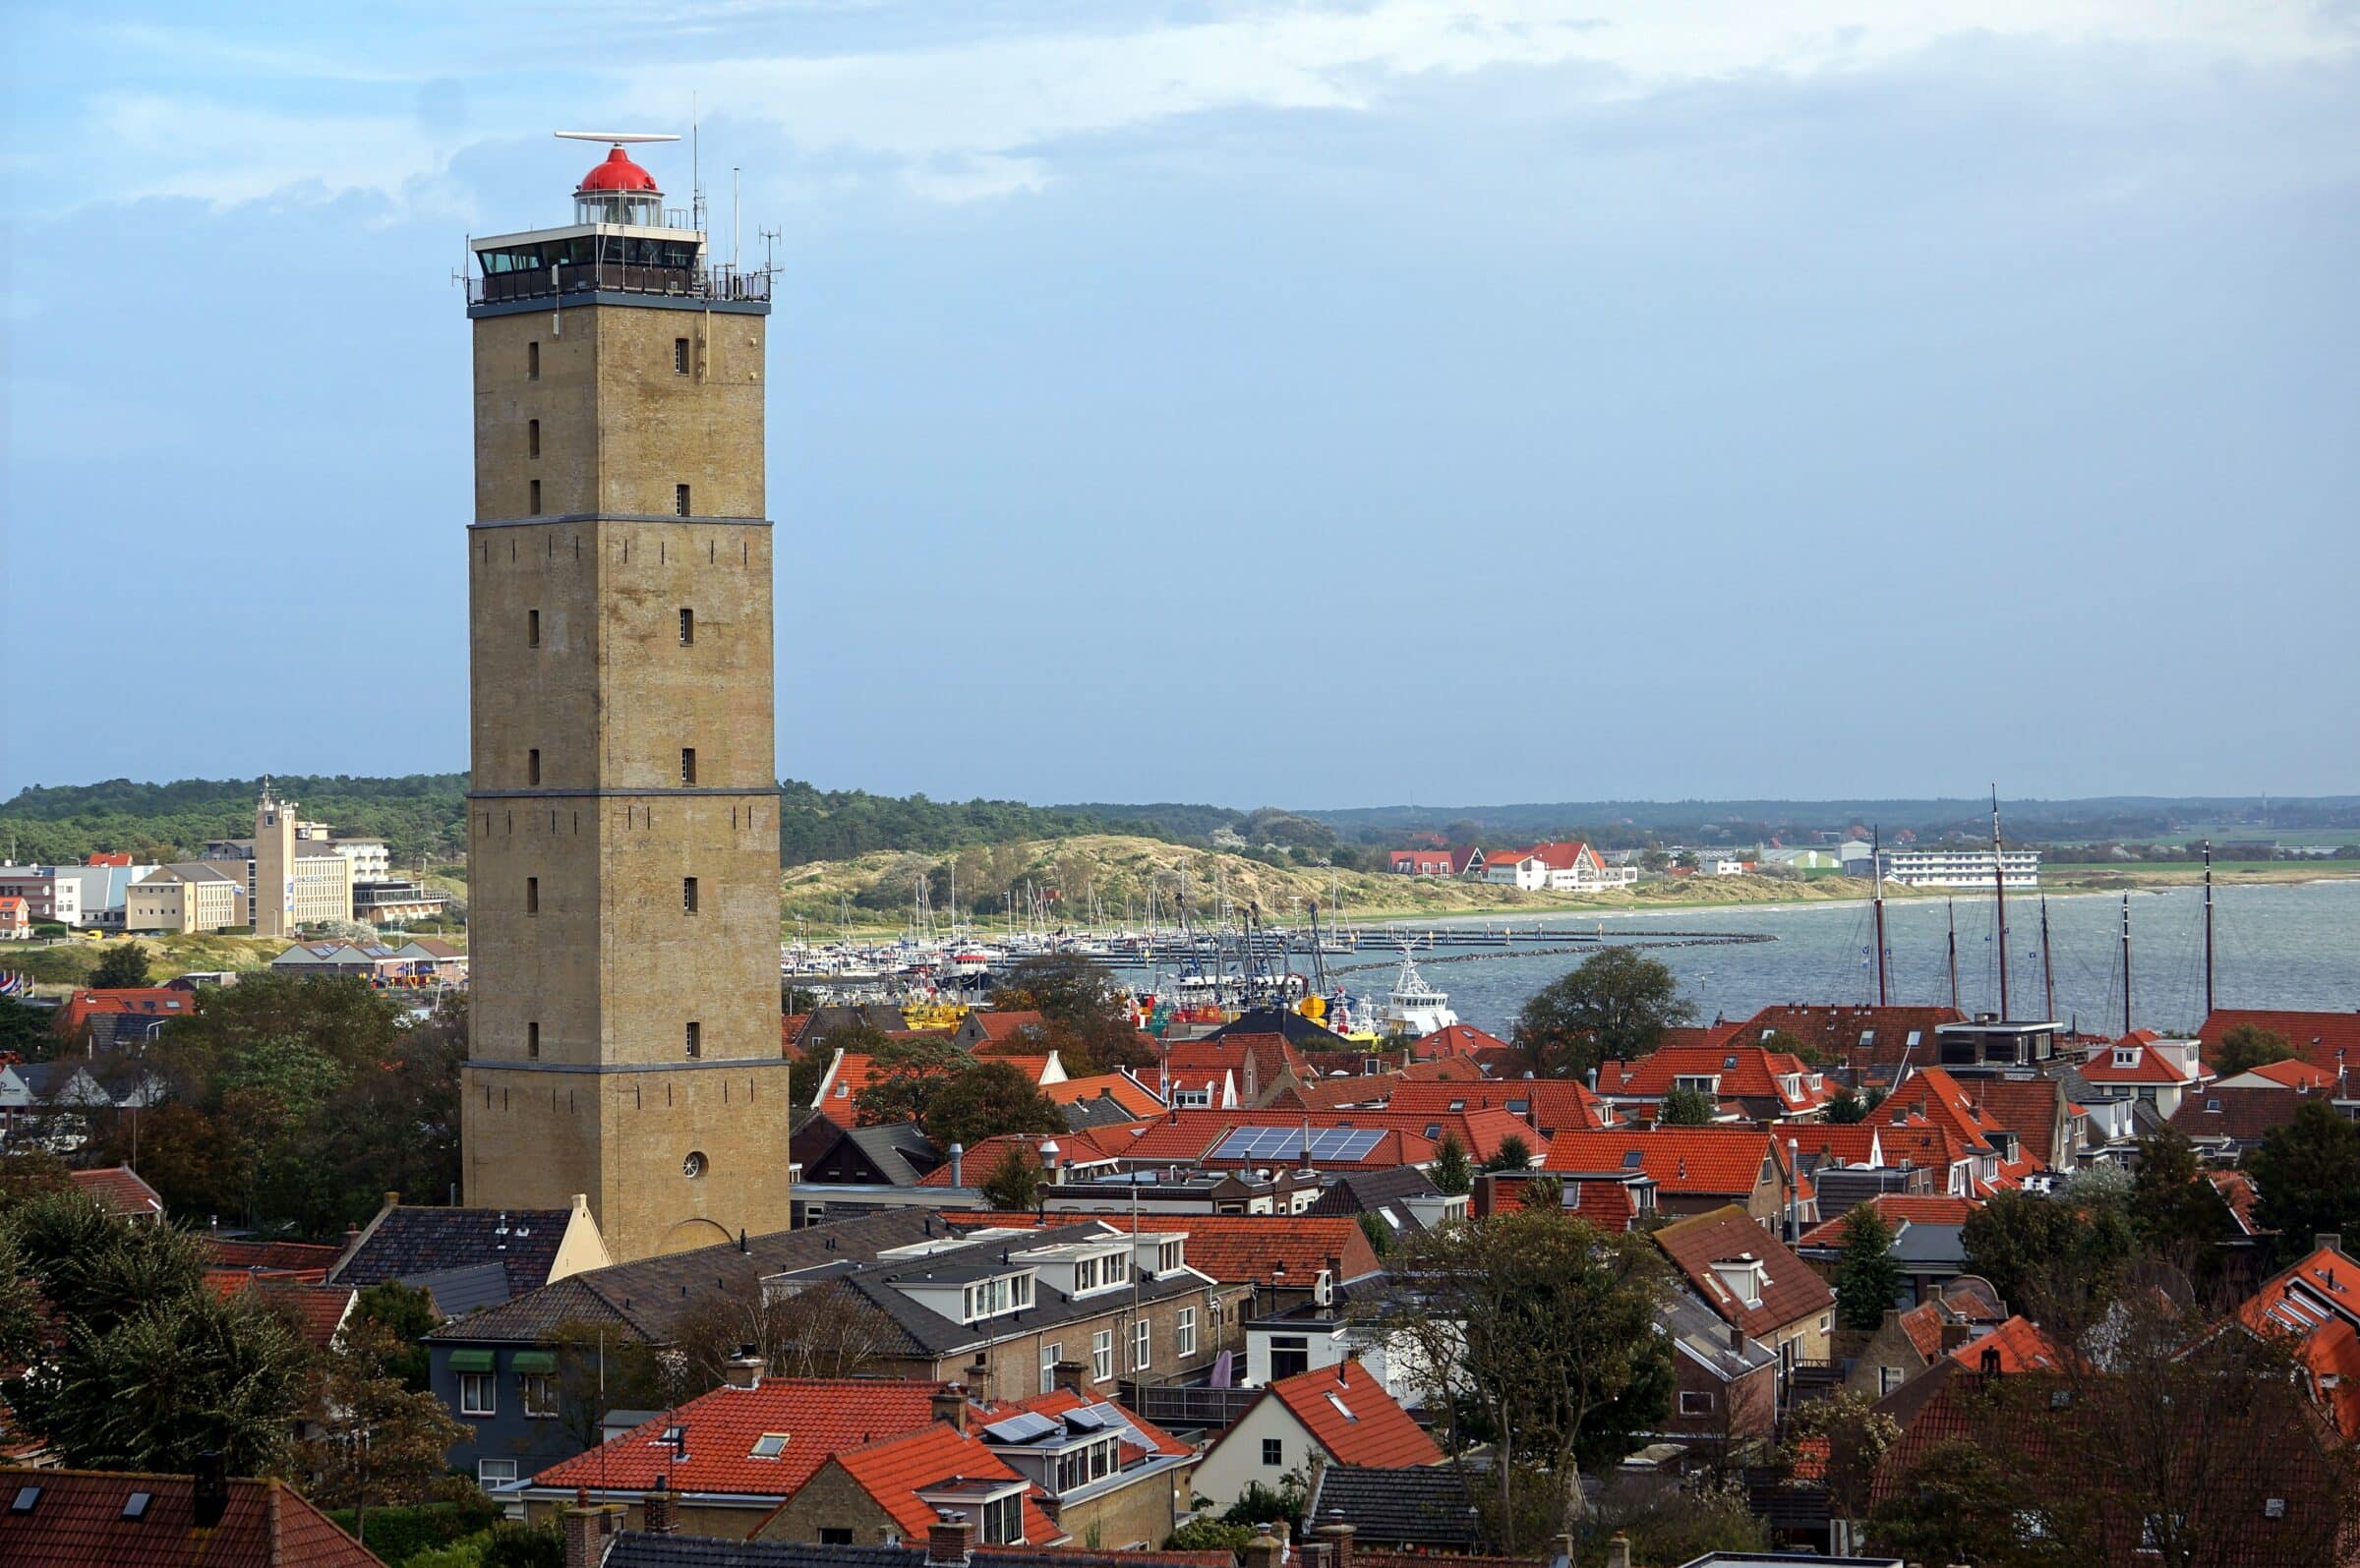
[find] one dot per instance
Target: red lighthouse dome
(617, 173)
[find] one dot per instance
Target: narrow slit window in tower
(532, 361)
(532, 1040)
(687, 765)
(687, 627)
(532, 766)
(696, 1040)
(532, 628)
(532, 437)
(679, 356)
(532, 895)
(687, 894)
(536, 497)
(680, 499)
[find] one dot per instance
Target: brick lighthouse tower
(623, 837)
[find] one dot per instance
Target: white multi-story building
(1961, 868)
(75, 896)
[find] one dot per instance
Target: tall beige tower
(273, 888)
(623, 843)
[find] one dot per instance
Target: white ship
(1414, 1008)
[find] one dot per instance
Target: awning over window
(470, 1361)
(534, 1361)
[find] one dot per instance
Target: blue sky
(1312, 404)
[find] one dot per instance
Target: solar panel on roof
(1021, 1428)
(1633, 1159)
(1085, 1420)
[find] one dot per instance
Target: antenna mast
(2207, 927)
(2125, 964)
(2048, 968)
(1876, 873)
(2000, 894)
(1950, 907)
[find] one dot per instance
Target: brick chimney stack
(950, 1404)
(950, 1538)
(743, 1369)
(1264, 1550)
(588, 1529)
(1338, 1537)
(661, 1509)
(1618, 1551)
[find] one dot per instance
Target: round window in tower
(694, 1165)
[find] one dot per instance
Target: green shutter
(534, 1361)
(470, 1361)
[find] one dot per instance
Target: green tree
(2307, 1174)
(990, 1099)
(2175, 1213)
(520, 1545)
(124, 964)
(1453, 1173)
(1013, 1185)
(1615, 1006)
(375, 1442)
(2248, 1046)
(1537, 1331)
(1846, 1108)
(1868, 1274)
(1202, 1533)
(910, 1073)
(2054, 1261)
(600, 1368)
(27, 1030)
(1956, 1505)
(1686, 1107)
(1795, 1045)
(1380, 1234)
(186, 1374)
(1513, 1154)
(406, 1315)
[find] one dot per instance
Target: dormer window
(990, 1298)
(2126, 1059)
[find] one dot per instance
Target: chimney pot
(660, 1510)
(951, 1539)
(1618, 1551)
(1338, 1537)
(743, 1369)
(586, 1529)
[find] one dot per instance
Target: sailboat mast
(1876, 872)
(1951, 909)
(2208, 928)
(2048, 967)
(1999, 898)
(2125, 964)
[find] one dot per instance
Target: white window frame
(1101, 1355)
(1688, 1394)
(545, 1384)
(1050, 1355)
(1143, 1344)
(1184, 1332)
(484, 1469)
(483, 1384)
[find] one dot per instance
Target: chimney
(1072, 1376)
(1338, 1536)
(2331, 1241)
(210, 1497)
(743, 1369)
(950, 1404)
(587, 1530)
(1736, 1339)
(1618, 1551)
(950, 1538)
(957, 1165)
(661, 1509)
(1049, 1161)
(1264, 1550)
(1955, 1334)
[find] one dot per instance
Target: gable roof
(2146, 1065)
(2241, 1115)
(1862, 1036)
(820, 1417)
(145, 1001)
(238, 1253)
(1365, 1192)
(1934, 1096)
(1789, 1290)
(633, 1549)
(2293, 1074)
(1553, 1105)
(75, 1520)
(1745, 1071)
(405, 1240)
(2015, 1346)
(1406, 1505)
(120, 1188)
(893, 1471)
(2327, 1040)
(1899, 1210)
(997, 1026)
(1348, 1413)
(1135, 1098)
(1682, 1161)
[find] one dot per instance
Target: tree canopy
(2307, 1174)
(1615, 1007)
(1869, 1277)
(2246, 1046)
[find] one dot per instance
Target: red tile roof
(77, 1521)
(1744, 1071)
(1462, 1039)
(1935, 1096)
(2326, 1040)
(1443, 1069)
(1369, 1089)
(893, 1471)
(2106, 1064)
(1683, 1161)
(120, 1188)
(1269, 1057)
(821, 1417)
(1923, 1325)
(147, 1001)
(1790, 1291)
(1858, 1035)
(1091, 1150)
(998, 1027)
(1899, 1210)
(1853, 1143)
(2294, 1073)
(240, 1253)
(1554, 1104)
(2313, 1308)
(2019, 1346)
(1120, 1087)
(1348, 1413)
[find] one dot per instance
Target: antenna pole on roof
(1950, 907)
(1876, 874)
(1999, 898)
(2048, 967)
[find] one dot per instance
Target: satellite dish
(618, 137)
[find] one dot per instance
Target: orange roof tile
(2328, 1041)
(893, 1471)
(2019, 1346)
(1120, 1087)
(820, 1417)
(1682, 1161)
(1553, 1105)
(1899, 1210)
(1347, 1410)
(1743, 1071)
(1790, 1289)
(77, 1521)
(120, 1188)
